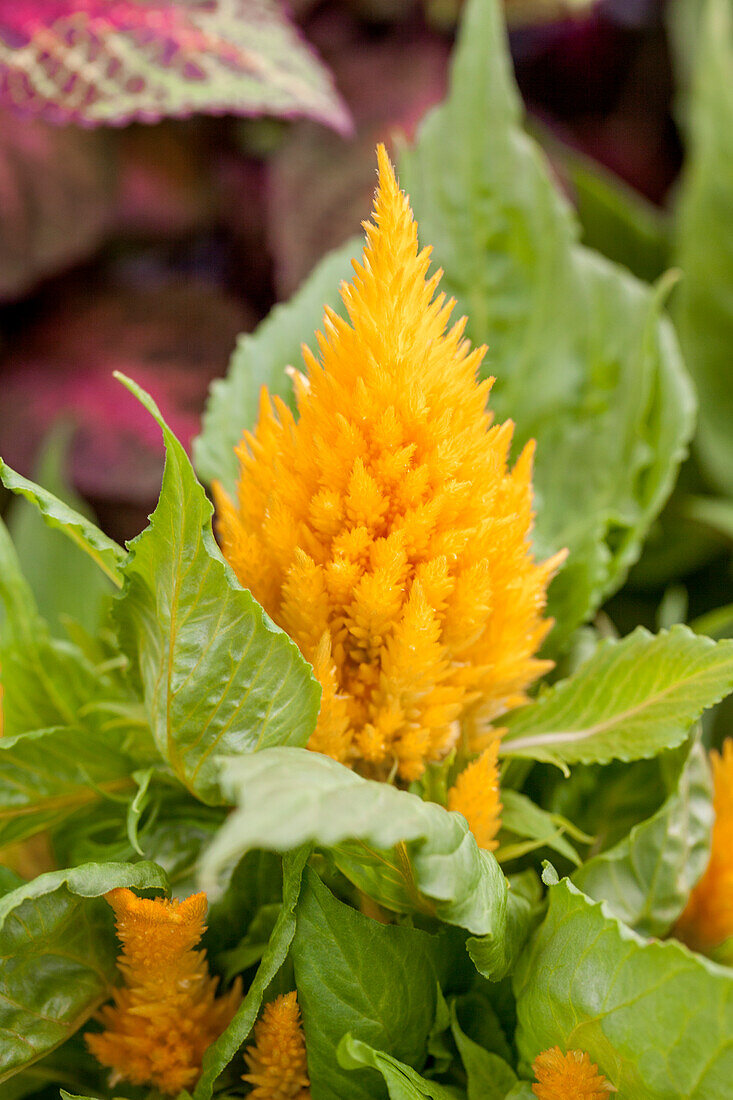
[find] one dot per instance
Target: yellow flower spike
(167, 1013)
(383, 529)
(277, 1058)
(476, 796)
(707, 920)
(570, 1076)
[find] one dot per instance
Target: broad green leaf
(647, 878)
(406, 854)
(584, 361)
(704, 244)
(95, 64)
(59, 952)
(489, 1076)
(629, 701)
(616, 220)
(220, 1053)
(217, 675)
(355, 975)
(260, 360)
(656, 1018)
(107, 554)
(48, 774)
(402, 1082)
(46, 682)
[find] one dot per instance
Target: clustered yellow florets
(570, 1076)
(167, 1013)
(276, 1060)
(707, 921)
(383, 530)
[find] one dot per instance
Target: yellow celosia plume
(708, 917)
(167, 1012)
(276, 1060)
(570, 1076)
(475, 794)
(383, 530)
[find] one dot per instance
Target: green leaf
(629, 701)
(402, 1082)
(656, 1018)
(70, 522)
(523, 818)
(217, 675)
(47, 775)
(616, 220)
(219, 1054)
(260, 360)
(409, 855)
(584, 361)
(59, 952)
(647, 878)
(46, 682)
(355, 975)
(704, 244)
(489, 1076)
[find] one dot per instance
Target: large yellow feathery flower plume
(167, 1012)
(570, 1076)
(383, 530)
(276, 1060)
(707, 920)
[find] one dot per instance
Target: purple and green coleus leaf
(99, 63)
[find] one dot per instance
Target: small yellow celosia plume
(167, 1013)
(707, 920)
(383, 530)
(475, 794)
(570, 1076)
(276, 1060)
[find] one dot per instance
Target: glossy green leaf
(584, 362)
(647, 878)
(260, 360)
(656, 1018)
(407, 854)
(47, 682)
(59, 550)
(632, 699)
(402, 1082)
(221, 1053)
(59, 952)
(217, 675)
(48, 774)
(489, 1076)
(355, 975)
(106, 553)
(704, 244)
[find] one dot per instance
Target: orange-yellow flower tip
(707, 920)
(383, 528)
(476, 796)
(570, 1076)
(166, 1013)
(276, 1060)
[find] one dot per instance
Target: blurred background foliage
(169, 171)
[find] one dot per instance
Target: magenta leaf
(58, 196)
(112, 61)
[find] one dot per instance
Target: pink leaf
(111, 61)
(57, 199)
